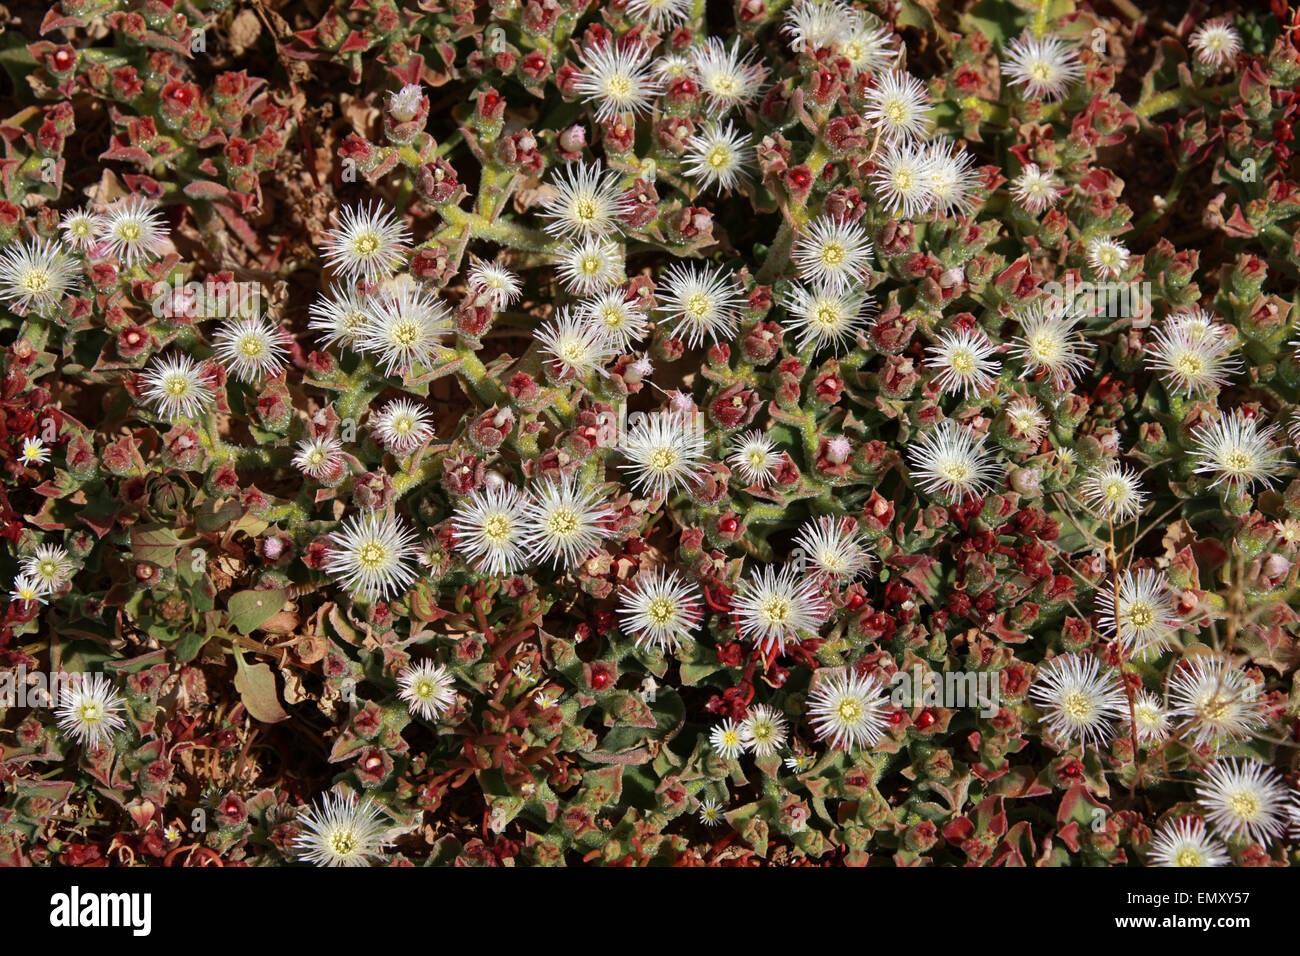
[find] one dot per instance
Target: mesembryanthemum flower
(35, 275)
(623, 321)
(320, 457)
(340, 315)
(574, 345)
(834, 549)
(404, 328)
(584, 200)
(1108, 257)
(701, 303)
(820, 316)
(134, 230)
(178, 387)
(1215, 43)
(402, 426)
(28, 589)
(898, 105)
(660, 609)
(963, 361)
(1193, 354)
(1051, 345)
(848, 709)
(367, 242)
(903, 177)
(950, 461)
(1043, 66)
(1184, 842)
(89, 709)
(341, 831)
(82, 228)
(496, 282)
(718, 156)
(1218, 702)
(659, 14)
(564, 522)
(1150, 720)
(590, 265)
(489, 526)
(372, 554)
(763, 730)
(832, 252)
(1080, 701)
(1036, 189)
(754, 457)
(663, 451)
(1236, 450)
(428, 689)
(252, 348)
(727, 739)
(725, 77)
(617, 77)
(1138, 610)
(1244, 799)
(773, 608)
(1114, 491)
(50, 565)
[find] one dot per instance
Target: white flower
(319, 458)
(835, 548)
(575, 343)
(763, 730)
(341, 315)
(702, 304)
(964, 361)
(584, 201)
(252, 348)
(368, 242)
(622, 321)
(1051, 344)
(1140, 612)
(659, 609)
(663, 452)
(618, 78)
(28, 589)
(402, 426)
(1114, 491)
(772, 608)
(867, 44)
(34, 452)
(952, 177)
(1215, 43)
(848, 709)
(754, 456)
(341, 832)
(371, 554)
(950, 461)
(49, 565)
(36, 275)
(82, 228)
(711, 813)
(427, 688)
(727, 740)
(590, 265)
(1027, 419)
(1079, 700)
(832, 252)
(726, 78)
(659, 14)
(1043, 65)
(89, 710)
(1036, 189)
(1150, 718)
(404, 104)
(499, 284)
(1220, 703)
(904, 172)
(821, 316)
(1184, 842)
(718, 156)
(489, 528)
(564, 522)
(898, 105)
(404, 327)
(1244, 799)
(1108, 257)
(814, 25)
(1193, 354)
(1236, 450)
(672, 66)
(134, 230)
(178, 387)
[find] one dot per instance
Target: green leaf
(155, 545)
(256, 686)
(249, 610)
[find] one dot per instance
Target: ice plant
(1137, 609)
(341, 831)
(950, 462)
(489, 529)
(1243, 800)
(1080, 701)
(1042, 66)
(773, 608)
(178, 387)
(847, 709)
(371, 555)
(427, 688)
(37, 275)
(1184, 842)
(367, 242)
(660, 609)
(90, 710)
